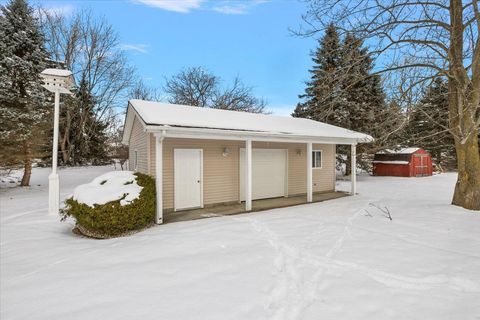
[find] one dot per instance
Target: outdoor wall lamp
(226, 152)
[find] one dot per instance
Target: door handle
(198, 181)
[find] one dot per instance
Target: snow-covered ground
(329, 260)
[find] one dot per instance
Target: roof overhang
(220, 134)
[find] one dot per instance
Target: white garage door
(269, 173)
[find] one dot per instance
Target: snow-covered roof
(172, 115)
(391, 161)
(402, 151)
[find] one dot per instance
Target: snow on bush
(111, 186)
(114, 204)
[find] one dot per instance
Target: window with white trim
(135, 160)
(317, 159)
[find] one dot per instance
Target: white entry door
(269, 173)
(188, 185)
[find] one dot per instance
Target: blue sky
(249, 38)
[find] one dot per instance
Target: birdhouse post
(57, 81)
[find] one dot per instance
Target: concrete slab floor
(257, 205)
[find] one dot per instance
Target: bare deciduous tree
(198, 87)
(193, 87)
(238, 97)
(89, 47)
(439, 38)
(143, 92)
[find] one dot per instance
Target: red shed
(408, 162)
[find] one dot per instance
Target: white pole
(353, 173)
(309, 173)
(248, 178)
(159, 177)
(53, 186)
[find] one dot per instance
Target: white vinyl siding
(135, 160)
(138, 145)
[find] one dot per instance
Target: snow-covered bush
(113, 204)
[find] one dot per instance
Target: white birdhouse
(58, 80)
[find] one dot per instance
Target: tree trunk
(463, 104)
(27, 172)
(467, 188)
(65, 143)
(348, 165)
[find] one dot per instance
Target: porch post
(248, 172)
(353, 173)
(309, 173)
(159, 177)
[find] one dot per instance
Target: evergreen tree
(84, 138)
(344, 92)
(428, 123)
(321, 98)
(23, 110)
(365, 109)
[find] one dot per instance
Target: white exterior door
(188, 185)
(269, 173)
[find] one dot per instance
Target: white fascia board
(130, 117)
(217, 134)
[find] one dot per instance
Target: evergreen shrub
(112, 219)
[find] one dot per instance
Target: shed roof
(172, 115)
(409, 150)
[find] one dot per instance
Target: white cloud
(231, 9)
(141, 48)
(237, 7)
(183, 6)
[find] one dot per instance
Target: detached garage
(203, 158)
(407, 162)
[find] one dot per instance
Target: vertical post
(309, 173)
(159, 177)
(353, 173)
(53, 183)
(248, 172)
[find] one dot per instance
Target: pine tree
(23, 110)
(84, 141)
(321, 98)
(343, 91)
(364, 102)
(428, 123)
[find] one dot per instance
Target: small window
(135, 160)
(316, 159)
